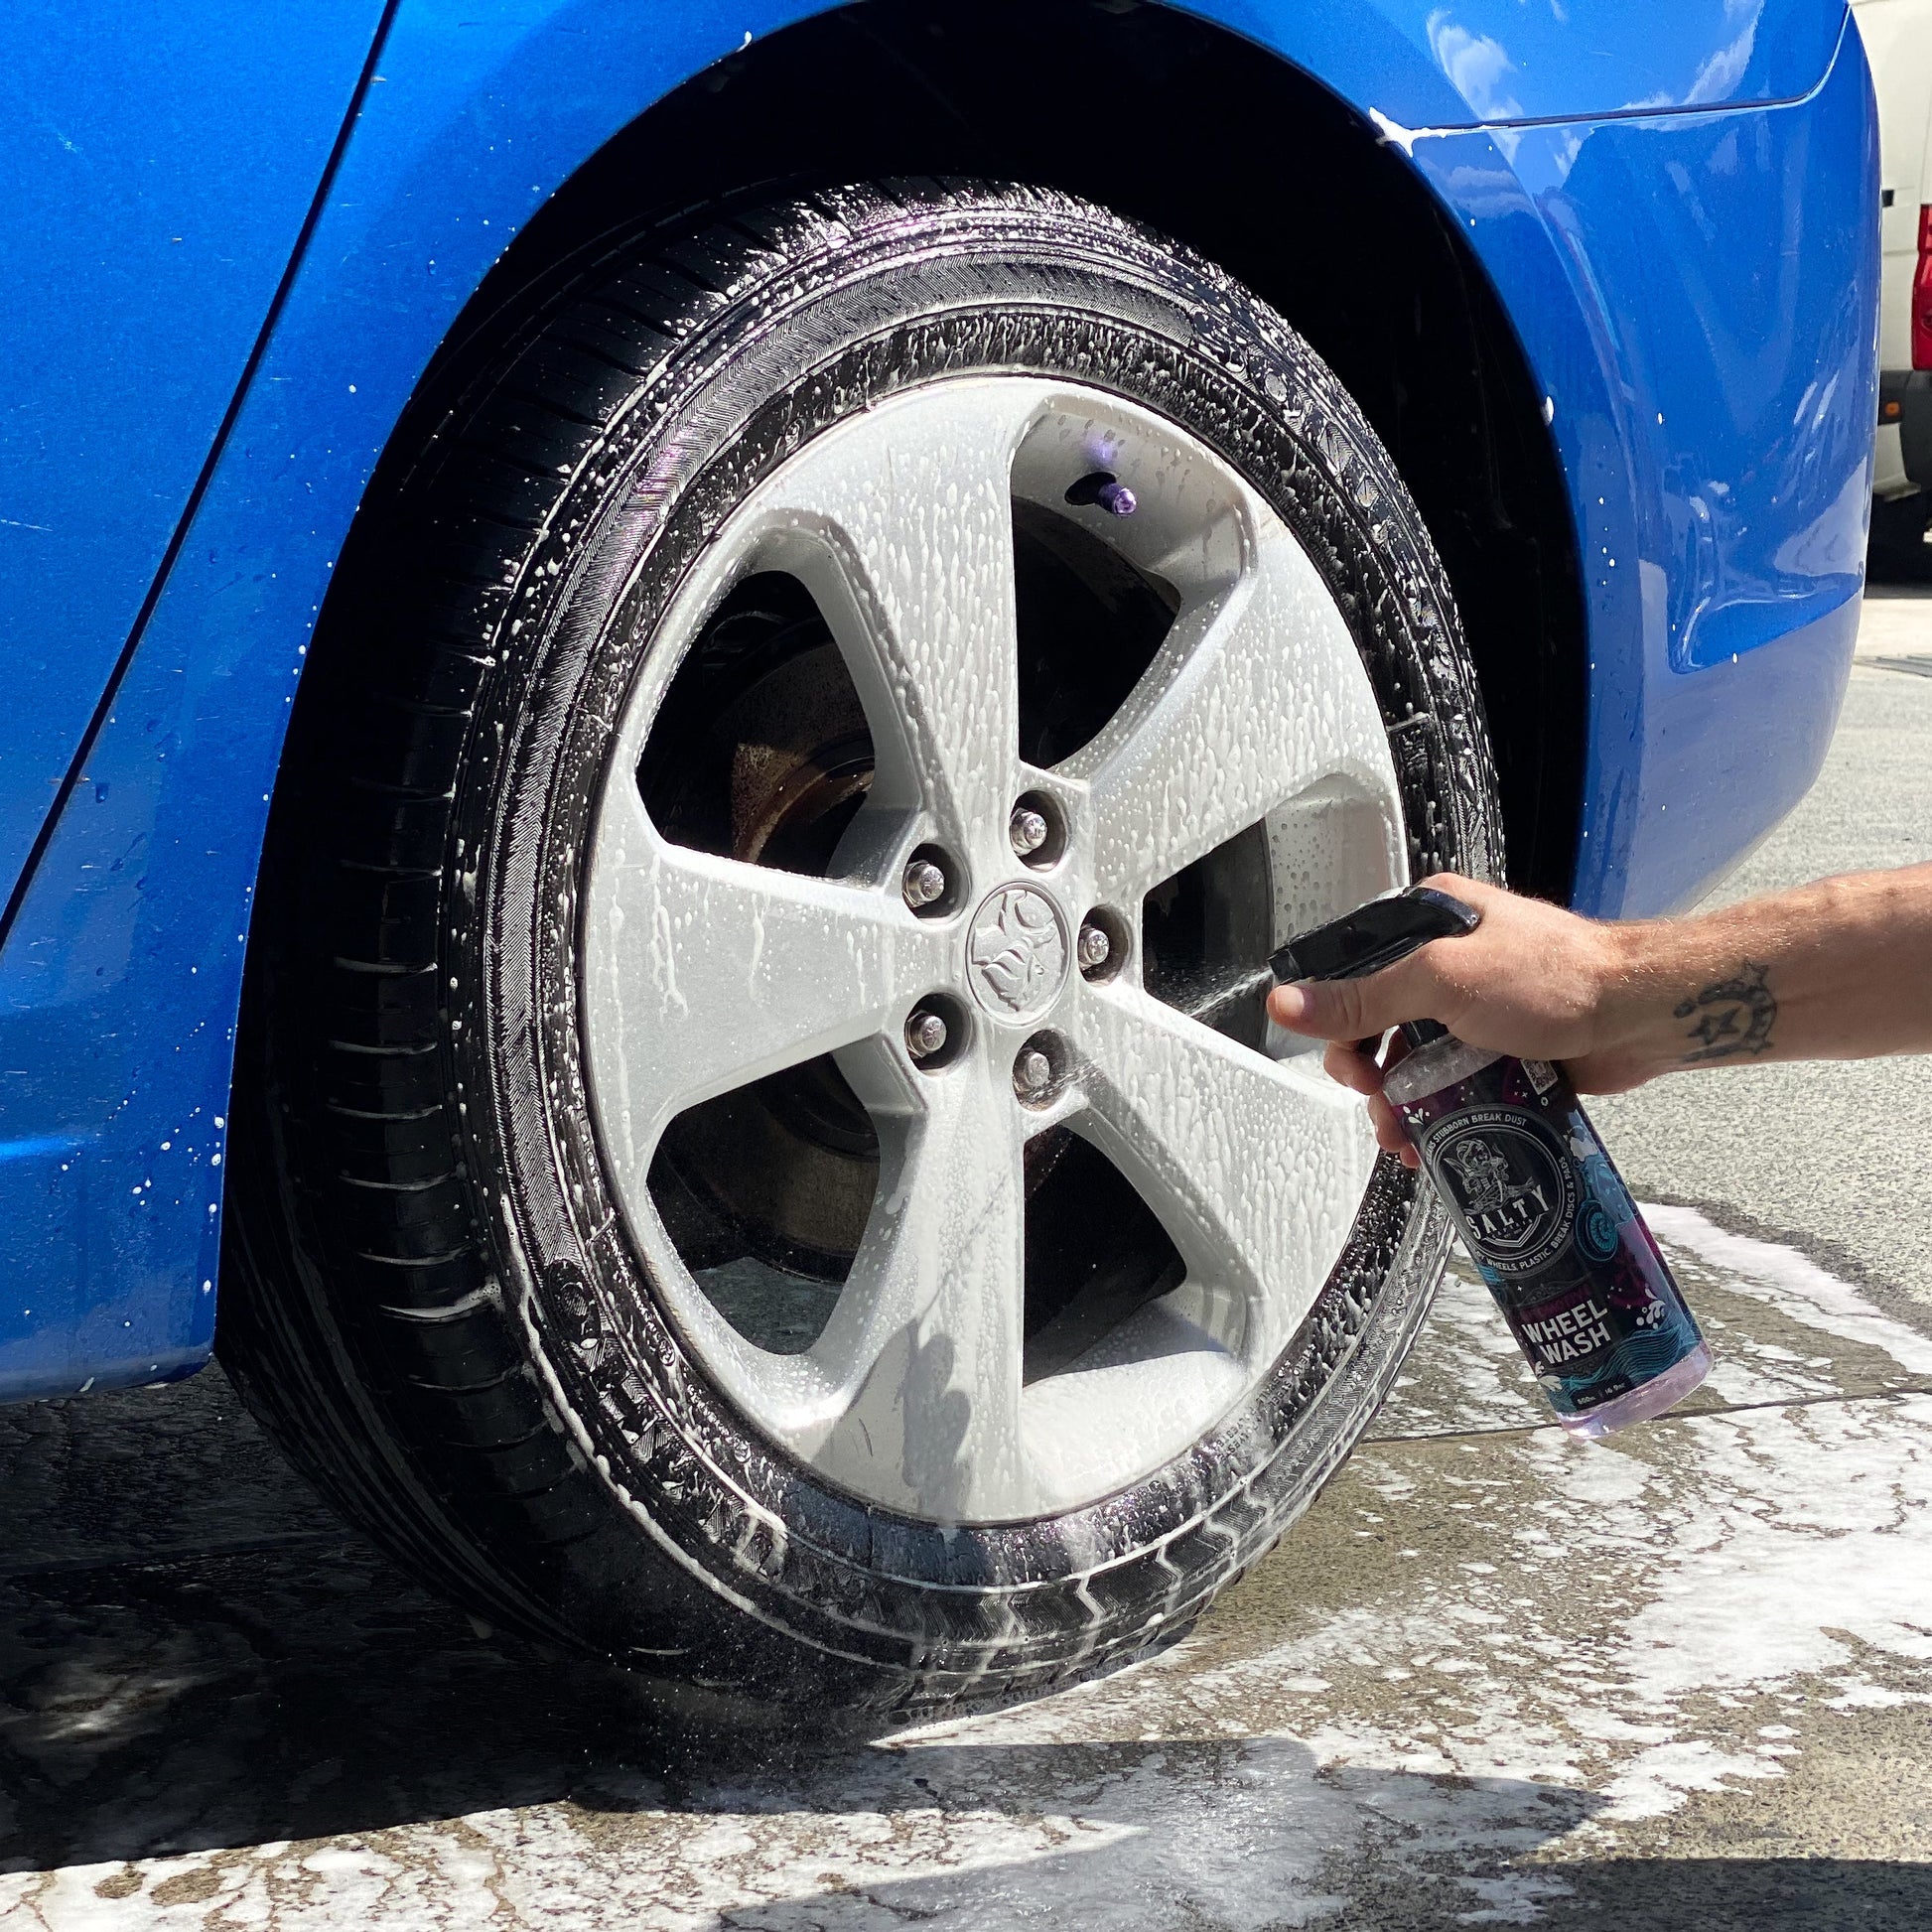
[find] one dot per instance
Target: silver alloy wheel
(703, 974)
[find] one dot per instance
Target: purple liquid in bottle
(1553, 1231)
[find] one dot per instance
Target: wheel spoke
(1254, 1168)
(1255, 696)
(713, 973)
(901, 524)
(703, 974)
(926, 1340)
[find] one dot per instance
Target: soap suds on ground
(1492, 1666)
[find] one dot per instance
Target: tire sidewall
(831, 324)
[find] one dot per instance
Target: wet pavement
(1495, 1677)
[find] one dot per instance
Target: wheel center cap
(1017, 952)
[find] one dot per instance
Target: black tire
(427, 1296)
(1897, 552)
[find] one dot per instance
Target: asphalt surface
(1494, 1676)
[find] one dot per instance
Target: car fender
(120, 977)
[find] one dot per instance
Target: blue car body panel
(137, 279)
(1710, 390)
(1425, 64)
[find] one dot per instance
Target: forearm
(1837, 970)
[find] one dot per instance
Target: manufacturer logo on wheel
(1017, 952)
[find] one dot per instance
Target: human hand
(1532, 980)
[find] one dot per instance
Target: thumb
(1362, 1009)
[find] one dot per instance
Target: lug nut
(925, 1033)
(1032, 1072)
(923, 884)
(1028, 831)
(1093, 946)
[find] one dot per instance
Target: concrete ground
(1812, 1153)
(1679, 1680)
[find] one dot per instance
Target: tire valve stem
(923, 885)
(1028, 831)
(925, 1033)
(1106, 491)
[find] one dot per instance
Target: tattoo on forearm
(1734, 1017)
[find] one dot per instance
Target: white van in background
(1898, 44)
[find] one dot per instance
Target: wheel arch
(1243, 156)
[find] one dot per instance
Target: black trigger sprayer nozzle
(1376, 935)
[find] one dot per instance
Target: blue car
(669, 664)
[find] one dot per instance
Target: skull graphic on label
(1513, 1186)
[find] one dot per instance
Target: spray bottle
(1545, 1215)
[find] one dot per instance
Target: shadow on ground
(178, 1706)
(199, 1666)
(1748, 1894)
(161, 1699)
(187, 1706)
